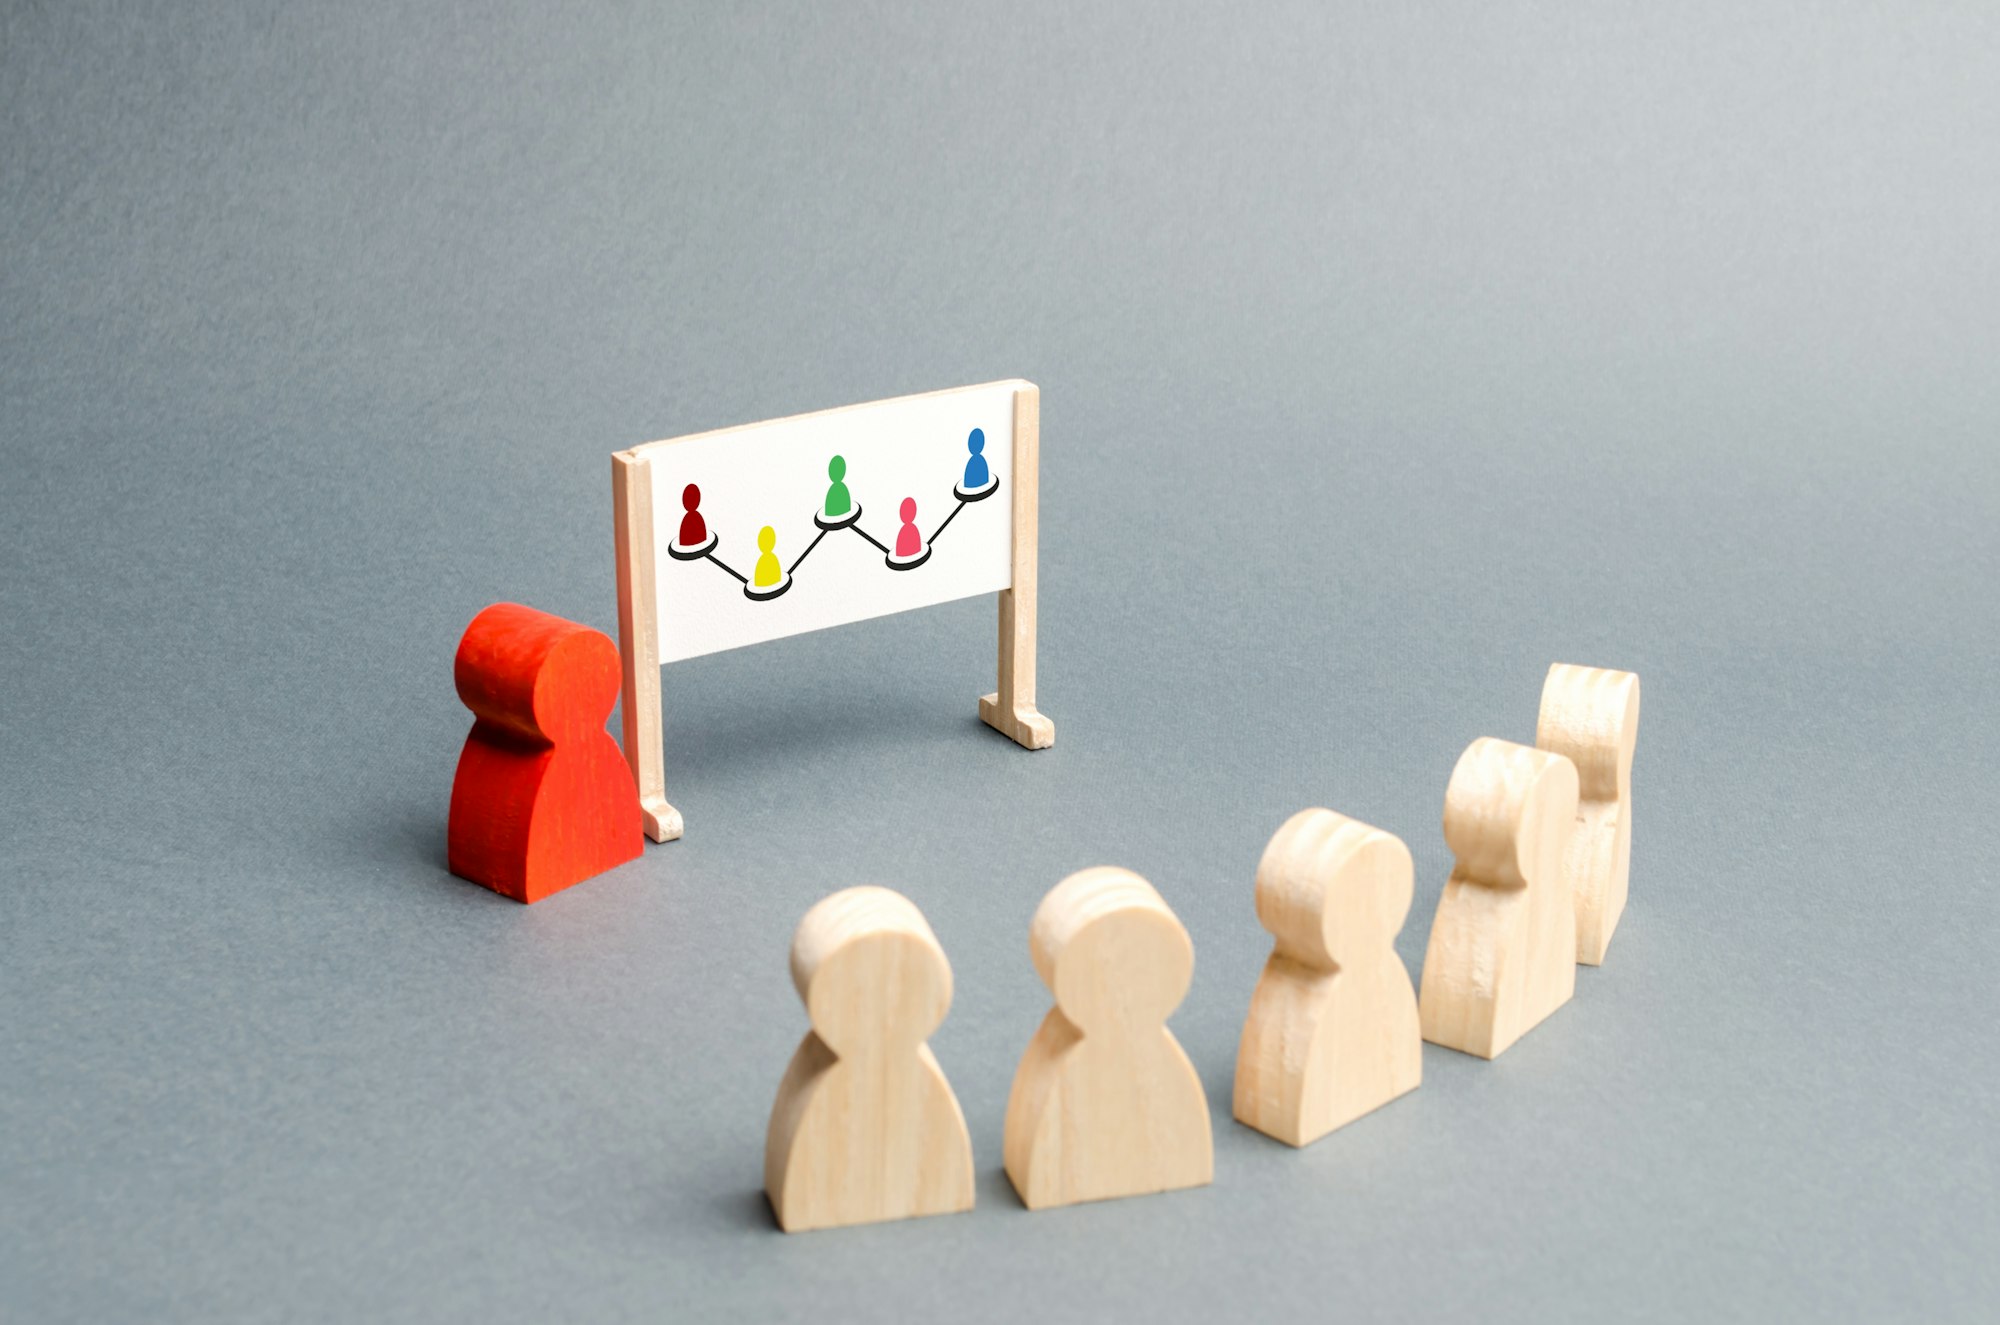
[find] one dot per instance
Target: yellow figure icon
(768, 570)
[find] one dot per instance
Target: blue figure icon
(976, 476)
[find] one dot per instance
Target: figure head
(1508, 813)
(1111, 951)
(870, 971)
(909, 509)
(767, 538)
(537, 675)
(690, 497)
(976, 443)
(1333, 890)
(836, 468)
(1591, 715)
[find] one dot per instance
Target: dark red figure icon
(543, 797)
(908, 541)
(694, 529)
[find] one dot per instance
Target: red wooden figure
(543, 797)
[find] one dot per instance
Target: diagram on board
(769, 577)
(874, 478)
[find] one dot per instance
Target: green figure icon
(838, 502)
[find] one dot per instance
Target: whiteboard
(776, 475)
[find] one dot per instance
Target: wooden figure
(542, 798)
(1591, 717)
(1333, 1030)
(1105, 1103)
(1502, 952)
(865, 1127)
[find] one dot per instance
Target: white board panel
(775, 475)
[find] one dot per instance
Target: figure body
(694, 529)
(1333, 1030)
(769, 572)
(543, 797)
(865, 1127)
(1105, 1103)
(838, 500)
(977, 475)
(1502, 952)
(1590, 715)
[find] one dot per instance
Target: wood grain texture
(1502, 952)
(1105, 1103)
(865, 1126)
(1590, 715)
(1332, 1031)
(542, 798)
(639, 641)
(1011, 709)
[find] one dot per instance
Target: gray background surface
(1387, 354)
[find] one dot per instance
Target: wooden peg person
(865, 1127)
(1105, 1103)
(1333, 1030)
(1502, 952)
(1590, 715)
(542, 798)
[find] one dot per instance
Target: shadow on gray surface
(805, 725)
(408, 847)
(998, 1188)
(745, 1210)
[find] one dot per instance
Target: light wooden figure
(866, 1127)
(1105, 1103)
(1502, 952)
(1590, 716)
(1333, 1030)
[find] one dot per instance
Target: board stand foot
(662, 821)
(1024, 726)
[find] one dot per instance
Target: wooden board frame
(1009, 710)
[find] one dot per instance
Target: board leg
(1011, 709)
(639, 643)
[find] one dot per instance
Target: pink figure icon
(694, 529)
(908, 541)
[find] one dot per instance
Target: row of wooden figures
(1105, 1103)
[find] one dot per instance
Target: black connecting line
(947, 522)
(807, 553)
(882, 548)
(739, 579)
(865, 534)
